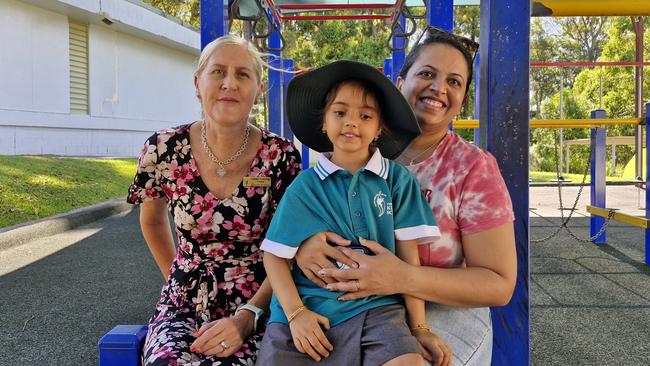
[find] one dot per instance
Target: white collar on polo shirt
(377, 164)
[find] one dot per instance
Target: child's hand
(433, 348)
(308, 335)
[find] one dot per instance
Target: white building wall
(140, 80)
(34, 71)
(133, 78)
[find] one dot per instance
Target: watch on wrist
(253, 309)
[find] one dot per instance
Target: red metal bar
(334, 6)
(395, 13)
(274, 10)
(587, 64)
(335, 17)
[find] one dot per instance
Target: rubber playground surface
(590, 305)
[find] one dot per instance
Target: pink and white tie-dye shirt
(464, 187)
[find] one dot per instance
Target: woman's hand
(379, 274)
(315, 253)
(223, 337)
(308, 336)
(433, 348)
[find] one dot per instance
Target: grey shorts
(371, 338)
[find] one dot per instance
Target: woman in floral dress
(221, 178)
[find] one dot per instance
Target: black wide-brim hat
(306, 100)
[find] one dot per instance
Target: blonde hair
(232, 40)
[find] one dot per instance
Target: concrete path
(590, 305)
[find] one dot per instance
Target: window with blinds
(78, 68)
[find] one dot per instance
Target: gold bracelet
(421, 327)
(295, 313)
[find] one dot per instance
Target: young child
(353, 110)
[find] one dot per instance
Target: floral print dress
(218, 264)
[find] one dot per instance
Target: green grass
(574, 178)
(33, 187)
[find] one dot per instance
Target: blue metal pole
(477, 99)
(505, 130)
(287, 76)
(388, 68)
(214, 14)
(304, 154)
(647, 179)
(275, 87)
(598, 157)
(441, 14)
(398, 56)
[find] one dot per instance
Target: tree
(544, 81)
(544, 141)
(467, 24)
(467, 20)
(185, 10)
(618, 82)
(316, 43)
(583, 38)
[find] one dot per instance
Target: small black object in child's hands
(357, 248)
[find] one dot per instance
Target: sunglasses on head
(433, 31)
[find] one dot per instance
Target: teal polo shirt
(381, 201)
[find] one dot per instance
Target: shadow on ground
(590, 304)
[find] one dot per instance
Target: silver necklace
(412, 159)
(221, 170)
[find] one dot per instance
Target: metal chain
(600, 232)
(548, 237)
(564, 223)
(222, 163)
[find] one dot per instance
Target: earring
(324, 132)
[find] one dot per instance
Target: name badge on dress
(257, 182)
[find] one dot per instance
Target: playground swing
(565, 222)
(561, 180)
(600, 216)
(400, 31)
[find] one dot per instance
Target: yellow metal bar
(565, 8)
(562, 123)
(583, 123)
(619, 216)
(466, 123)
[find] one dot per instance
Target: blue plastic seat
(122, 346)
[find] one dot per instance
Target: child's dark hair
(439, 38)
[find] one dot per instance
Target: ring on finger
(358, 285)
(224, 345)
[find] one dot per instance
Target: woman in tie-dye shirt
(473, 265)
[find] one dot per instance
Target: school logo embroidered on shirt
(382, 206)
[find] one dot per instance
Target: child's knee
(409, 359)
